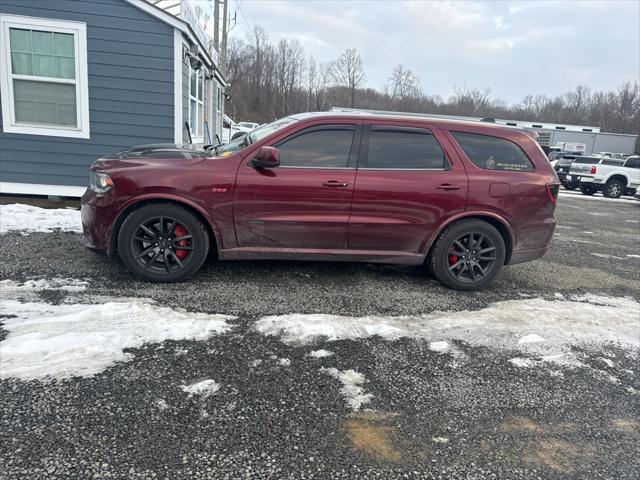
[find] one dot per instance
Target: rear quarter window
(493, 153)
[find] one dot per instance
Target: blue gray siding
(131, 102)
(185, 100)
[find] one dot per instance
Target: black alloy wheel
(468, 255)
(472, 257)
(163, 243)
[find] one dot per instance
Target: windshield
(253, 137)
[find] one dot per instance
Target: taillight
(552, 191)
(593, 169)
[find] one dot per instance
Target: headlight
(100, 182)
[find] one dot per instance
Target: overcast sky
(514, 48)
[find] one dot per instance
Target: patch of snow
(581, 320)
(440, 439)
(13, 289)
(285, 362)
(563, 226)
(633, 256)
(598, 197)
(606, 255)
(321, 353)
(27, 219)
(439, 346)
(587, 233)
(606, 361)
(522, 362)
(632, 221)
(559, 296)
(351, 390)
(67, 340)
(531, 338)
(256, 363)
(204, 388)
(162, 404)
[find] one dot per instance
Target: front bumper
(97, 214)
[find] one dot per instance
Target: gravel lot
(467, 413)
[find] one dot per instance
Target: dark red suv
(463, 198)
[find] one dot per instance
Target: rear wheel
(613, 189)
(163, 243)
(588, 189)
(468, 255)
(569, 186)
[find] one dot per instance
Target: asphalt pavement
(279, 412)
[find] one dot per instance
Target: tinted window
(493, 153)
(613, 161)
(404, 149)
(317, 148)
(633, 163)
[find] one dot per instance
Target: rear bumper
(97, 214)
(522, 256)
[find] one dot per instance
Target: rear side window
(613, 161)
(318, 148)
(493, 153)
(633, 163)
(404, 149)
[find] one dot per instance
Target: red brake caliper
(180, 232)
(453, 258)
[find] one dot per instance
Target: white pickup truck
(613, 176)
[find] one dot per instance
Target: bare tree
(348, 72)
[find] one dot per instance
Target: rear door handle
(447, 186)
(335, 184)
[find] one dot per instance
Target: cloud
(514, 48)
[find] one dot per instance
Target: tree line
(270, 80)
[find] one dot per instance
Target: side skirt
(325, 255)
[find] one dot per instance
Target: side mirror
(267, 157)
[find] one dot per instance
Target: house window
(196, 104)
(44, 77)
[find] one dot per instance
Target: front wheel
(163, 243)
(468, 255)
(588, 189)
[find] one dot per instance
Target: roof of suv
(418, 118)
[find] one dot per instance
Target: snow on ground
(9, 288)
(606, 255)
(597, 196)
(204, 388)
(27, 219)
(535, 326)
(321, 353)
(66, 340)
(351, 390)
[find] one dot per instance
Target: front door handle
(448, 186)
(335, 184)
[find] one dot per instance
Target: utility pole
(223, 49)
(216, 24)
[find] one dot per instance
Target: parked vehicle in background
(230, 129)
(572, 148)
(248, 125)
(562, 167)
(614, 177)
(446, 194)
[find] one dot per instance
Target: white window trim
(79, 31)
(194, 137)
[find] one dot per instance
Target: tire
(569, 186)
(613, 189)
(182, 259)
(630, 192)
(588, 189)
(442, 260)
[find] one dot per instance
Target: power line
(242, 13)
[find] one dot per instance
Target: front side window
(493, 153)
(404, 149)
(328, 147)
(44, 77)
(196, 104)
